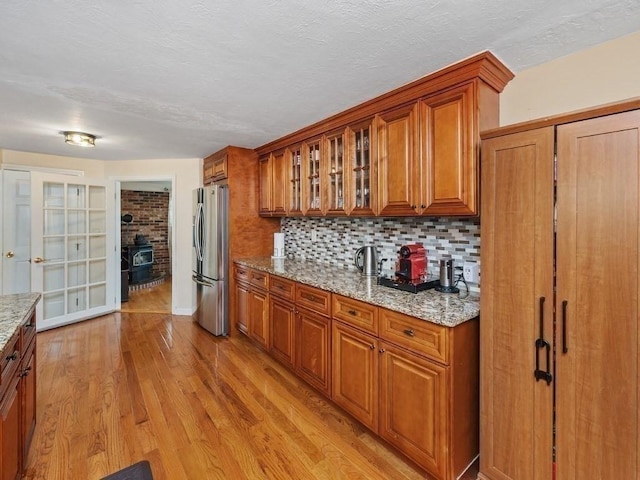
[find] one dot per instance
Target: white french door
(72, 248)
(16, 237)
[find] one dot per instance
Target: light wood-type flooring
(131, 386)
(149, 300)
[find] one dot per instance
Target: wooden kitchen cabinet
(362, 182)
(259, 317)
(293, 201)
(273, 178)
(313, 349)
(567, 405)
(414, 403)
(17, 400)
(282, 320)
(313, 176)
(449, 174)
(412, 151)
(215, 167)
(355, 373)
(398, 161)
(336, 173)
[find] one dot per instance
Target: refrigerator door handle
(202, 282)
(198, 231)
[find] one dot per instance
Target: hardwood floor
(149, 300)
(136, 386)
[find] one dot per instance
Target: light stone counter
(14, 309)
(440, 308)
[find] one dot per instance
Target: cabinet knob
(382, 350)
(423, 206)
(372, 347)
(410, 332)
(352, 312)
(414, 206)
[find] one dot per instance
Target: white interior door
(73, 248)
(16, 236)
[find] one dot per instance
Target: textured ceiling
(178, 79)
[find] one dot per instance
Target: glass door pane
(361, 157)
(313, 168)
(295, 192)
(335, 154)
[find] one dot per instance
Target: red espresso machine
(411, 266)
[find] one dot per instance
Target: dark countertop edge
(446, 320)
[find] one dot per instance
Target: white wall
(606, 73)
(91, 168)
(188, 176)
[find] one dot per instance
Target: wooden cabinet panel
(281, 329)
(314, 299)
(450, 159)
(242, 307)
(414, 408)
(279, 184)
(422, 337)
(215, 167)
(398, 157)
(282, 287)
(598, 237)
(314, 178)
(241, 272)
(293, 199)
(336, 173)
(355, 373)
(28, 400)
(356, 313)
(259, 279)
(266, 173)
(10, 444)
(259, 317)
(313, 349)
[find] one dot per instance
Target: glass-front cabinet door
(362, 155)
(72, 248)
(314, 181)
(335, 151)
(294, 194)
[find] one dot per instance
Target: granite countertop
(13, 311)
(441, 308)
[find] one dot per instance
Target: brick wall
(150, 211)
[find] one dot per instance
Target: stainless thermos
(447, 284)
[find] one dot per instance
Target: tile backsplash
(338, 239)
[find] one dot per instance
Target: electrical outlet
(314, 236)
(471, 272)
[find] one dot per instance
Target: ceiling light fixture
(79, 139)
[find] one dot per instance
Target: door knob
(9, 254)
(38, 260)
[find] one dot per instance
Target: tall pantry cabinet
(560, 342)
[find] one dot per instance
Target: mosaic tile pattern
(338, 239)
(445, 309)
(13, 310)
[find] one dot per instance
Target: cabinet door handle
(410, 332)
(540, 344)
(25, 372)
(382, 350)
(12, 357)
(565, 348)
(352, 312)
(372, 347)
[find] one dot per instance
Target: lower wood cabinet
(414, 407)
(243, 291)
(313, 344)
(412, 382)
(17, 400)
(281, 329)
(355, 373)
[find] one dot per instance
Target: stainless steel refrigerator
(211, 260)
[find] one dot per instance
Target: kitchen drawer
(356, 313)
(9, 362)
(420, 336)
(28, 331)
(282, 287)
(259, 279)
(241, 272)
(314, 299)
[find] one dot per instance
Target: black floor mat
(137, 471)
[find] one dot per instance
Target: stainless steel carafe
(366, 260)
(446, 277)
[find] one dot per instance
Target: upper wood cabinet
(398, 162)
(293, 162)
(412, 151)
(215, 167)
(273, 179)
(449, 157)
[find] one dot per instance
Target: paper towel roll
(278, 245)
